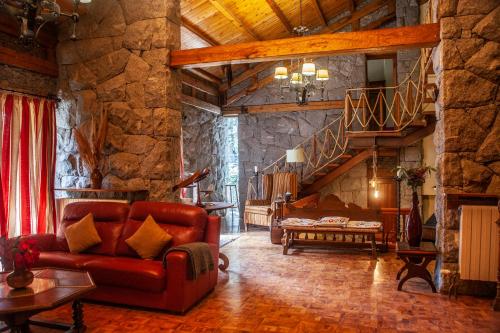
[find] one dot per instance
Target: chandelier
(306, 81)
(34, 14)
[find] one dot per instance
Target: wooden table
(416, 260)
(290, 236)
(50, 289)
(211, 207)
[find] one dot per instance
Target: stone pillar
(119, 63)
(468, 123)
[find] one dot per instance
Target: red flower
(26, 254)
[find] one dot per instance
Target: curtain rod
(49, 96)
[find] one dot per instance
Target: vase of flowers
(26, 254)
(415, 178)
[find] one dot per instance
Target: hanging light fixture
(281, 73)
(306, 81)
(34, 14)
(373, 181)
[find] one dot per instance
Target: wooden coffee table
(290, 236)
(50, 289)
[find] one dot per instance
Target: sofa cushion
(64, 259)
(149, 239)
(185, 223)
(109, 218)
(128, 272)
(82, 235)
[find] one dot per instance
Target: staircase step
(345, 156)
(332, 165)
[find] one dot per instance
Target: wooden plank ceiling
(222, 22)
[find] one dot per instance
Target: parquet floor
(306, 291)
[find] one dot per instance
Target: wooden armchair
(261, 211)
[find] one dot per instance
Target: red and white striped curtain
(27, 150)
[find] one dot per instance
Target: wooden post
(397, 96)
(362, 99)
(381, 110)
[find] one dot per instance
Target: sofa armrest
(212, 231)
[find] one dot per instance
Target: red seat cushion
(128, 272)
(64, 259)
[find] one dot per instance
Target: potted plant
(91, 148)
(25, 254)
(415, 178)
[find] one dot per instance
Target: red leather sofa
(120, 274)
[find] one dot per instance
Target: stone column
(119, 63)
(467, 133)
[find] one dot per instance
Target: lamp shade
(309, 69)
(322, 75)
(295, 155)
(85, 1)
(296, 78)
(280, 73)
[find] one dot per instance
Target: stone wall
(120, 64)
(203, 135)
(467, 134)
(23, 80)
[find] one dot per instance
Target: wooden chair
(261, 211)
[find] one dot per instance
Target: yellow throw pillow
(82, 235)
(149, 239)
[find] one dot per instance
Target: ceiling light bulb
(376, 194)
(322, 75)
(281, 73)
(85, 1)
(309, 69)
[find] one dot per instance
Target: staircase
(370, 121)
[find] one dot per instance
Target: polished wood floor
(306, 291)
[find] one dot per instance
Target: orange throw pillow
(149, 239)
(82, 235)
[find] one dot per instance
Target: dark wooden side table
(416, 260)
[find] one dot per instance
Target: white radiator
(478, 251)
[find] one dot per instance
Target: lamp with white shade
(296, 156)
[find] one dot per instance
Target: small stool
(416, 260)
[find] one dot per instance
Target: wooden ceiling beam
(205, 75)
(369, 41)
(249, 73)
(281, 16)
(319, 12)
(197, 83)
(28, 61)
(285, 107)
(233, 18)
(199, 104)
(198, 32)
